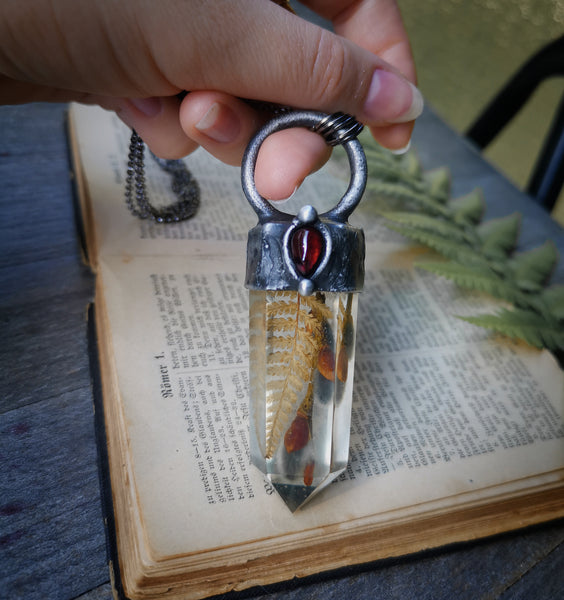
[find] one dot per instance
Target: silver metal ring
(325, 125)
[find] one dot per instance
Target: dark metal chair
(547, 177)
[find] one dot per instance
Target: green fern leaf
(479, 253)
(479, 278)
(469, 208)
(499, 236)
(529, 286)
(448, 248)
(534, 266)
(438, 183)
(392, 173)
(411, 164)
(377, 157)
(553, 298)
(447, 229)
(401, 191)
(376, 153)
(523, 324)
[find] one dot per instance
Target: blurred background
(466, 50)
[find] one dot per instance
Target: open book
(455, 434)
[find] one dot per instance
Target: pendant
(304, 273)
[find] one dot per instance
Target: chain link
(183, 184)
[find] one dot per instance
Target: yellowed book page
(442, 415)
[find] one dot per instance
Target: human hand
(134, 57)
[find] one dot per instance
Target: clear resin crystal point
(301, 373)
(303, 273)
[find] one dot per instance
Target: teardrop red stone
(306, 248)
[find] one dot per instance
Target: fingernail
(283, 201)
(392, 99)
(150, 107)
(220, 124)
(404, 150)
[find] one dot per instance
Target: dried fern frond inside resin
(294, 334)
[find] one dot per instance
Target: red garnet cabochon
(306, 248)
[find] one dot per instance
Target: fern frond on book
(478, 255)
(294, 326)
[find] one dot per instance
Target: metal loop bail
(335, 129)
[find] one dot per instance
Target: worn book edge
(82, 204)
(102, 457)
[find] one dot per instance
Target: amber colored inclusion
(298, 434)
(306, 248)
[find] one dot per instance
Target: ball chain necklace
(183, 184)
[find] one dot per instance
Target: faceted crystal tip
(294, 495)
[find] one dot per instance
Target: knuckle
(329, 71)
